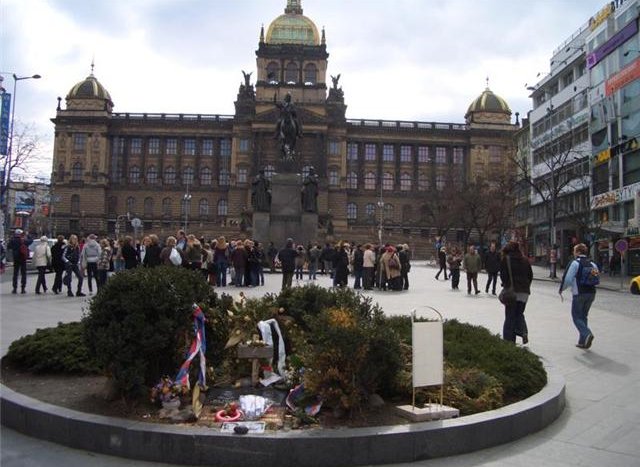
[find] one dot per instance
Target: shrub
(54, 350)
(140, 324)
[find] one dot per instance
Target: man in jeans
(472, 264)
(583, 295)
(89, 260)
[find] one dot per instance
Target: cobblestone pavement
(600, 425)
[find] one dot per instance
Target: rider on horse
(288, 128)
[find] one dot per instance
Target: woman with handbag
(516, 276)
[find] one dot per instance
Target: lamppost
(7, 174)
(186, 204)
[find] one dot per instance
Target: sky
(420, 60)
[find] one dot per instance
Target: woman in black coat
(129, 254)
(341, 267)
(514, 321)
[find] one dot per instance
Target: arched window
(423, 182)
(352, 211)
(75, 204)
(388, 211)
(205, 176)
(134, 174)
(60, 173)
(169, 177)
(167, 206)
(76, 172)
(387, 181)
(131, 204)
(187, 175)
(440, 180)
(334, 178)
(291, 73)
(148, 207)
(407, 213)
(223, 207)
(112, 205)
(269, 171)
(352, 181)
(310, 74)
(370, 181)
(224, 178)
(203, 207)
(152, 175)
(370, 210)
(273, 73)
(405, 182)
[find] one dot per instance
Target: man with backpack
(19, 246)
(582, 276)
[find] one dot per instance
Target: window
(207, 147)
(370, 181)
(76, 172)
(242, 175)
(269, 171)
(441, 155)
(352, 181)
(223, 178)
(185, 205)
(334, 179)
(334, 148)
(310, 74)
(172, 146)
(495, 154)
(225, 147)
(631, 168)
(75, 204)
(167, 206)
(203, 207)
(291, 73)
(458, 155)
(243, 145)
(387, 181)
(154, 146)
(148, 207)
(405, 182)
(223, 207)
(169, 177)
(152, 175)
(352, 211)
(600, 179)
(134, 174)
(388, 211)
(352, 151)
(273, 73)
(187, 175)
(135, 146)
(189, 147)
(387, 153)
(60, 173)
(112, 205)
(131, 204)
(369, 152)
(440, 180)
(205, 176)
(423, 154)
(119, 145)
(405, 154)
(79, 142)
(423, 182)
(370, 210)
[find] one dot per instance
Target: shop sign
(597, 19)
(602, 157)
(634, 243)
(616, 40)
(620, 195)
(628, 74)
(622, 148)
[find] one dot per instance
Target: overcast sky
(399, 59)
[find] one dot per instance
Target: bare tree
(441, 210)
(25, 152)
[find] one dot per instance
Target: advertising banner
(25, 201)
(5, 111)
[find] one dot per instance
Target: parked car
(634, 286)
(32, 247)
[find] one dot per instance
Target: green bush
(54, 350)
(139, 326)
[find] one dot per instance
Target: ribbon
(198, 347)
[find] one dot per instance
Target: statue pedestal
(261, 221)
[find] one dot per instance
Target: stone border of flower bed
(312, 447)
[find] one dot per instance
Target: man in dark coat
(287, 259)
(19, 246)
(57, 264)
(492, 266)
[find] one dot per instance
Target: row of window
(148, 207)
(170, 146)
(406, 181)
(611, 176)
(290, 74)
(372, 213)
(425, 154)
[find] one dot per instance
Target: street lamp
(16, 78)
(186, 204)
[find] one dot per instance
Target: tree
(441, 211)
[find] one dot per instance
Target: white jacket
(41, 254)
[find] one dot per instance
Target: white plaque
(427, 343)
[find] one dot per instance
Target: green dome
(489, 102)
(89, 88)
(293, 27)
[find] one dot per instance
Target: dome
(293, 27)
(89, 88)
(489, 102)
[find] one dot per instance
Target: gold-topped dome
(293, 27)
(489, 102)
(89, 88)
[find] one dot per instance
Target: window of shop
(631, 170)
(600, 180)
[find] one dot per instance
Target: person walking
(42, 260)
(582, 276)
(454, 260)
(287, 259)
(19, 246)
(515, 266)
(405, 265)
(368, 266)
(57, 264)
(71, 258)
(358, 267)
(89, 257)
(472, 265)
(442, 260)
(492, 266)
(104, 263)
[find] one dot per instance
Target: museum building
(376, 177)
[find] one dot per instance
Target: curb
(311, 448)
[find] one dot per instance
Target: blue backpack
(588, 275)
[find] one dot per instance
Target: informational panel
(427, 343)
